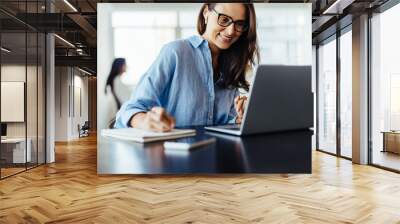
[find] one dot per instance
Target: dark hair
(115, 71)
(240, 56)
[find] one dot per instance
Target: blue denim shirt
(181, 81)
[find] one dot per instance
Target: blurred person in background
(120, 92)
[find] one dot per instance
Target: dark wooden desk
(285, 152)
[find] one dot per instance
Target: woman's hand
(157, 119)
(240, 102)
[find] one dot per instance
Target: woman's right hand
(157, 119)
(240, 106)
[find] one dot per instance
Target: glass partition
(327, 97)
(385, 89)
(346, 94)
(31, 98)
(22, 91)
(13, 94)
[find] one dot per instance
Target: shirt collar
(196, 40)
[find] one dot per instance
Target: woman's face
(220, 36)
(123, 69)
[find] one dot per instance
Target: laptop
(280, 99)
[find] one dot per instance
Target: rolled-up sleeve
(149, 91)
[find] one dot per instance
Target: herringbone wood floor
(70, 191)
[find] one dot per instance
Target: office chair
(84, 130)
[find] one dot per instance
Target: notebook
(139, 135)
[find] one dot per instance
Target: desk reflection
(285, 152)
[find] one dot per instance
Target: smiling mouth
(225, 39)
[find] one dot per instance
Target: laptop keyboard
(229, 126)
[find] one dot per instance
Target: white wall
(17, 73)
(104, 58)
(79, 117)
(70, 84)
(33, 126)
(14, 73)
(61, 103)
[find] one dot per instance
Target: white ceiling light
(5, 50)
(86, 72)
(337, 7)
(70, 5)
(65, 41)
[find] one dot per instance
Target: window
(140, 35)
(327, 96)
(346, 94)
(385, 87)
(284, 33)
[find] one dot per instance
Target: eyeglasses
(225, 21)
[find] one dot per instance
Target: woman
(118, 68)
(195, 81)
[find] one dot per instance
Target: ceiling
(77, 23)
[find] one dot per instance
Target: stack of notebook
(138, 135)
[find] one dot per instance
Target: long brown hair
(241, 55)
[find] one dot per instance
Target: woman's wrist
(136, 118)
(238, 120)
